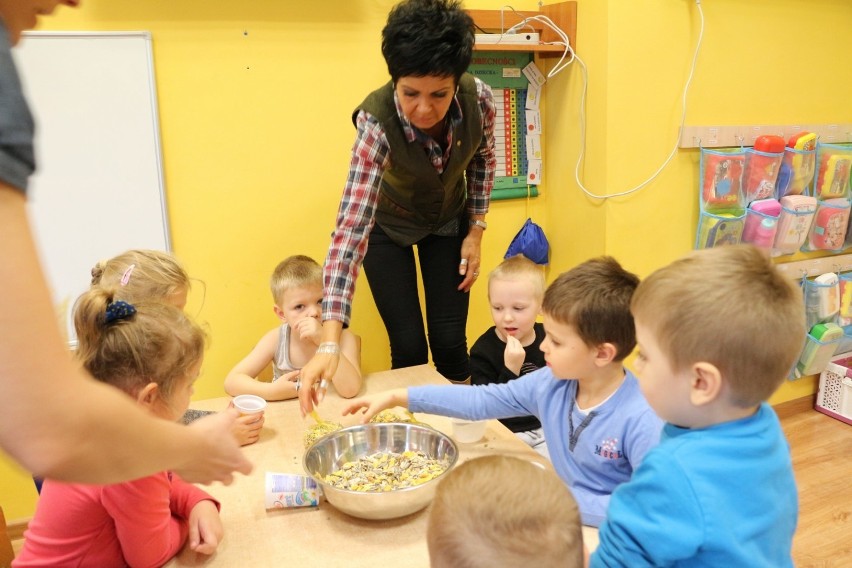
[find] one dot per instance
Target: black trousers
(392, 274)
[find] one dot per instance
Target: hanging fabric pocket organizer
(722, 203)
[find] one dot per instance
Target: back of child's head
(294, 272)
(594, 298)
(519, 267)
(728, 306)
(500, 511)
(141, 275)
(129, 346)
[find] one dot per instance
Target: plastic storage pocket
(835, 164)
(797, 172)
(828, 230)
(793, 227)
(822, 301)
(721, 180)
(716, 229)
(760, 229)
(760, 173)
(815, 356)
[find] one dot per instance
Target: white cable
(561, 64)
(679, 132)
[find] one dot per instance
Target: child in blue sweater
(595, 419)
(718, 331)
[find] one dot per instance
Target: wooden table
(321, 537)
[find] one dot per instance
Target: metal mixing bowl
(331, 451)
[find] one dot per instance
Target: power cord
(562, 64)
(583, 118)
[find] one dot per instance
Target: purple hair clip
(118, 310)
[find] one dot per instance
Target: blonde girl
(141, 275)
(153, 352)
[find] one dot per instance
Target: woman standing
(421, 174)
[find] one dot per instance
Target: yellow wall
(639, 55)
(255, 99)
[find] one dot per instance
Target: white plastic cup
(468, 432)
(249, 404)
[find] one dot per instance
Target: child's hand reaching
(247, 428)
(205, 528)
(369, 406)
(514, 355)
(309, 328)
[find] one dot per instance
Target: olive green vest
(414, 200)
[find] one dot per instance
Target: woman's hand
(470, 261)
(215, 453)
(315, 376)
(369, 406)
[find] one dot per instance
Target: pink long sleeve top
(138, 523)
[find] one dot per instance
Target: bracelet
(329, 347)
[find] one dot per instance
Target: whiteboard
(98, 188)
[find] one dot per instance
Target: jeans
(392, 275)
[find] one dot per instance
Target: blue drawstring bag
(530, 242)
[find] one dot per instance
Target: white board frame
(99, 187)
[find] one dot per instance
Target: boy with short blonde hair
(512, 346)
(296, 286)
(519, 266)
(503, 512)
(718, 332)
(294, 272)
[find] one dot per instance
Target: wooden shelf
(724, 136)
(562, 14)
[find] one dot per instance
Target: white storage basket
(834, 397)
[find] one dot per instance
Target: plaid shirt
(370, 156)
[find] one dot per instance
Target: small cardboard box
(285, 490)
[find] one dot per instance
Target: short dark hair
(428, 37)
(594, 298)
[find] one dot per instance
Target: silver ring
(463, 262)
(298, 384)
(476, 274)
(323, 384)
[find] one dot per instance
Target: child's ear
(279, 313)
(148, 395)
(605, 354)
(706, 383)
